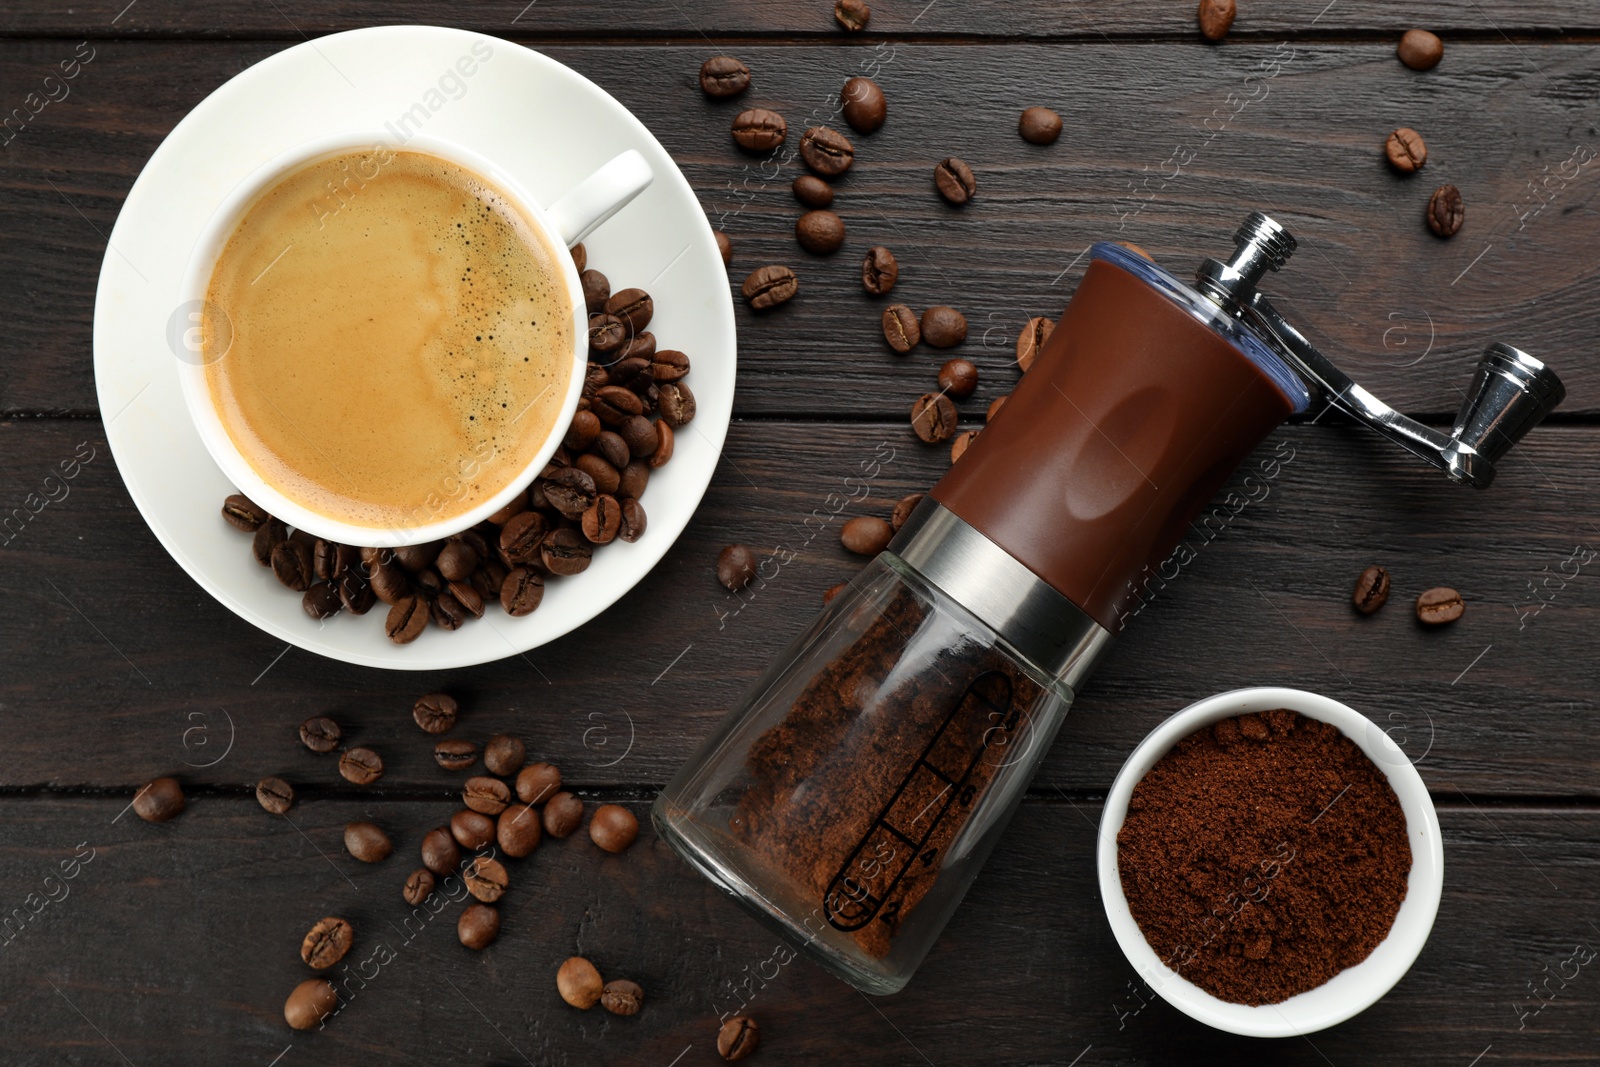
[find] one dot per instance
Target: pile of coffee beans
(1434, 607)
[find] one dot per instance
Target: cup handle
(599, 196)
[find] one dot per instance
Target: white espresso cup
(563, 224)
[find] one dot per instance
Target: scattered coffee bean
(518, 831)
(1039, 125)
(960, 443)
(521, 537)
(635, 477)
(242, 513)
(356, 594)
(311, 1002)
(416, 558)
(812, 191)
(478, 926)
(408, 617)
(565, 552)
(360, 765)
(327, 943)
(669, 365)
(580, 256)
(468, 597)
(579, 983)
(864, 105)
(418, 887)
(1216, 17)
(275, 795)
(933, 418)
(994, 408)
(738, 1038)
(724, 76)
(389, 583)
(562, 815)
(736, 566)
(435, 712)
(320, 734)
(441, 852)
(903, 509)
(1031, 340)
(832, 591)
(879, 270)
(866, 535)
(159, 801)
(607, 333)
(853, 15)
(596, 290)
(330, 561)
(321, 601)
(955, 181)
(943, 327)
(634, 307)
(1405, 150)
(900, 328)
(666, 441)
(958, 378)
(724, 248)
(367, 842)
(455, 754)
(622, 997)
(1439, 606)
(471, 829)
(503, 755)
(826, 151)
(613, 827)
(268, 536)
(488, 795)
(603, 520)
(1371, 591)
(1420, 50)
(456, 560)
(677, 404)
(820, 232)
(759, 130)
(537, 783)
(767, 287)
(521, 592)
(291, 564)
(486, 879)
(1446, 211)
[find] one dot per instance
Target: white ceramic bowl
(1350, 991)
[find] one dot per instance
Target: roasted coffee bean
(900, 328)
(994, 408)
(321, 601)
(1420, 50)
(1439, 606)
(853, 15)
(596, 290)
(242, 513)
(603, 520)
(441, 851)
(517, 830)
(478, 926)
(435, 712)
(489, 578)
(635, 477)
(367, 842)
(275, 795)
(1039, 125)
(958, 378)
(311, 1002)
(607, 333)
(1371, 591)
(326, 943)
(613, 827)
(468, 597)
(1035, 332)
(447, 612)
(570, 491)
(320, 734)
(471, 829)
(1446, 212)
(580, 256)
(416, 558)
(864, 105)
(565, 552)
(832, 591)
(582, 431)
(1215, 18)
(389, 582)
(538, 782)
(371, 556)
(614, 405)
(595, 377)
(305, 537)
(666, 440)
(812, 191)
(486, 879)
(677, 404)
(427, 583)
(408, 617)
(633, 374)
(668, 365)
(633, 520)
(960, 443)
(819, 232)
(866, 535)
(634, 307)
(903, 509)
(826, 151)
(1405, 150)
(736, 566)
(521, 592)
(520, 538)
(485, 794)
(933, 418)
(291, 565)
(356, 594)
(955, 181)
(579, 983)
(759, 130)
(879, 270)
(562, 815)
(612, 448)
(724, 248)
(455, 755)
(330, 559)
(268, 536)
(456, 560)
(605, 476)
(767, 287)
(360, 765)
(723, 76)
(943, 327)
(738, 1038)
(159, 801)
(418, 887)
(639, 434)
(622, 997)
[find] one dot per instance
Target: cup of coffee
(383, 344)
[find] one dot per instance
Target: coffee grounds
(1263, 856)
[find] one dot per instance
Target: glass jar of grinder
(854, 794)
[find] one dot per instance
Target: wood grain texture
(119, 668)
(1406, 313)
(1027, 972)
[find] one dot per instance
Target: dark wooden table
(176, 944)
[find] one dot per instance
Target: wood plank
(186, 937)
(119, 668)
(1407, 313)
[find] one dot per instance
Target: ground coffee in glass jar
(1263, 855)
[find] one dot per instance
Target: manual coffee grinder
(853, 795)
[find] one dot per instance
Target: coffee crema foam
(401, 338)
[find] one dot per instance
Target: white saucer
(541, 121)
